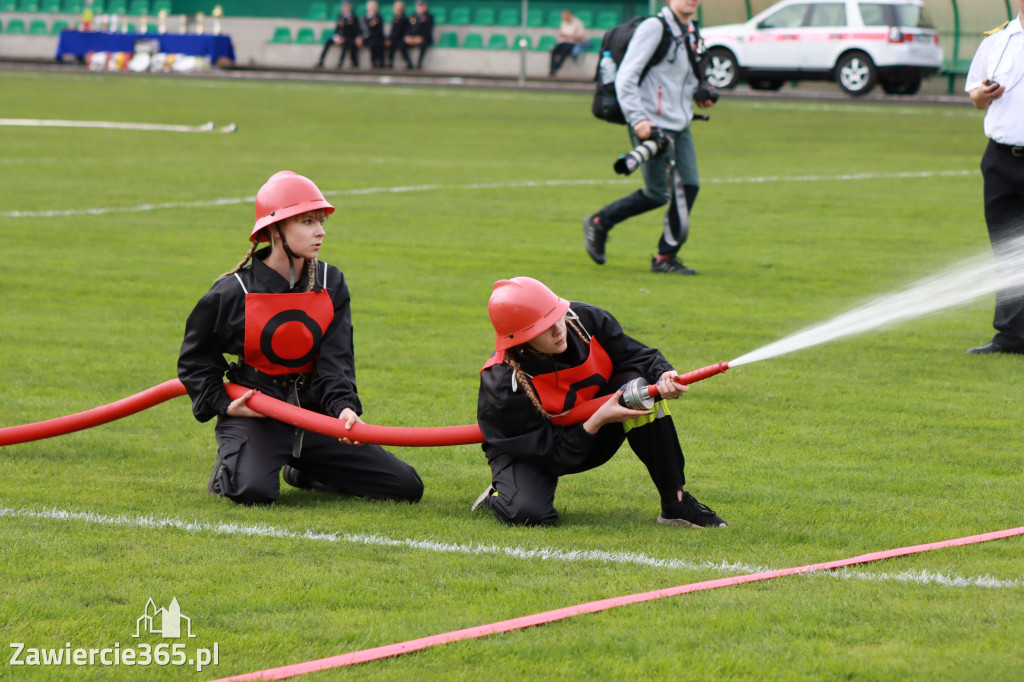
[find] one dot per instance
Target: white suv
(855, 42)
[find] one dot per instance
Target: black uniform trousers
(251, 452)
(347, 47)
(1003, 171)
(525, 487)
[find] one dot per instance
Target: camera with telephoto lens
(705, 92)
(646, 150)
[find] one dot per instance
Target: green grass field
(879, 441)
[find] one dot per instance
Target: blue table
(79, 43)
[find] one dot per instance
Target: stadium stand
(508, 17)
(317, 11)
(460, 16)
(497, 41)
(473, 41)
(484, 16)
(28, 6)
(37, 27)
(305, 36)
(58, 26)
(448, 39)
(15, 26)
(282, 34)
(50, 7)
(73, 7)
(138, 8)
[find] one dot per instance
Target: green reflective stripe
(660, 410)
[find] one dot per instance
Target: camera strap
(691, 41)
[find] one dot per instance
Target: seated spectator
(421, 31)
(396, 39)
(572, 39)
(372, 34)
(346, 36)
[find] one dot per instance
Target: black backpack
(606, 102)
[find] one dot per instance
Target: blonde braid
(310, 274)
(527, 385)
(241, 264)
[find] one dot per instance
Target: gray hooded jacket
(665, 98)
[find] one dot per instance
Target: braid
(310, 274)
(579, 332)
(241, 264)
(523, 379)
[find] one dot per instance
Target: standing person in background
(346, 36)
(287, 318)
(660, 101)
(396, 39)
(372, 34)
(572, 38)
(994, 83)
(551, 354)
(421, 31)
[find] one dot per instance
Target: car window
(887, 14)
(790, 16)
(875, 14)
(912, 16)
(828, 14)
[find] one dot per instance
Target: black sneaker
(482, 500)
(690, 513)
(297, 479)
(594, 237)
(673, 265)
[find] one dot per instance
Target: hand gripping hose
(297, 416)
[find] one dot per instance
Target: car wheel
(764, 84)
(907, 86)
(856, 73)
(720, 68)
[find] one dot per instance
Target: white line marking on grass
(115, 125)
(846, 177)
(923, 577)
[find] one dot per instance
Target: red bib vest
(283, 331)
(562, 390)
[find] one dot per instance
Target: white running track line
(922, 577)
(846, 177)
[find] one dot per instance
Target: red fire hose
(305, 419)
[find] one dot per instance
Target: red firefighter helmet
(521, 309)
(284, 195)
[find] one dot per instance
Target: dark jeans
(559, 54)
(401, 47)
(669, 178)
(1003, 174)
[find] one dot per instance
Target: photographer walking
(659, 98)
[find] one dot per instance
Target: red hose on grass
(297, 416)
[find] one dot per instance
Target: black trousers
(526, 486)
(1003, 172)
(401, 47)
(251, 452)
(347, 47)
(559, 54)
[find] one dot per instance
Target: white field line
(846, 177)
(114, 125)
(923, 577)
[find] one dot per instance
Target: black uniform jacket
(422, 25)
(512, 425)
(347, 27)
(373, 30)
(217, 327)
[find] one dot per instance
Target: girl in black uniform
(551, 354)
(286, 316)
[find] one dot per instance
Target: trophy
(161, 22)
